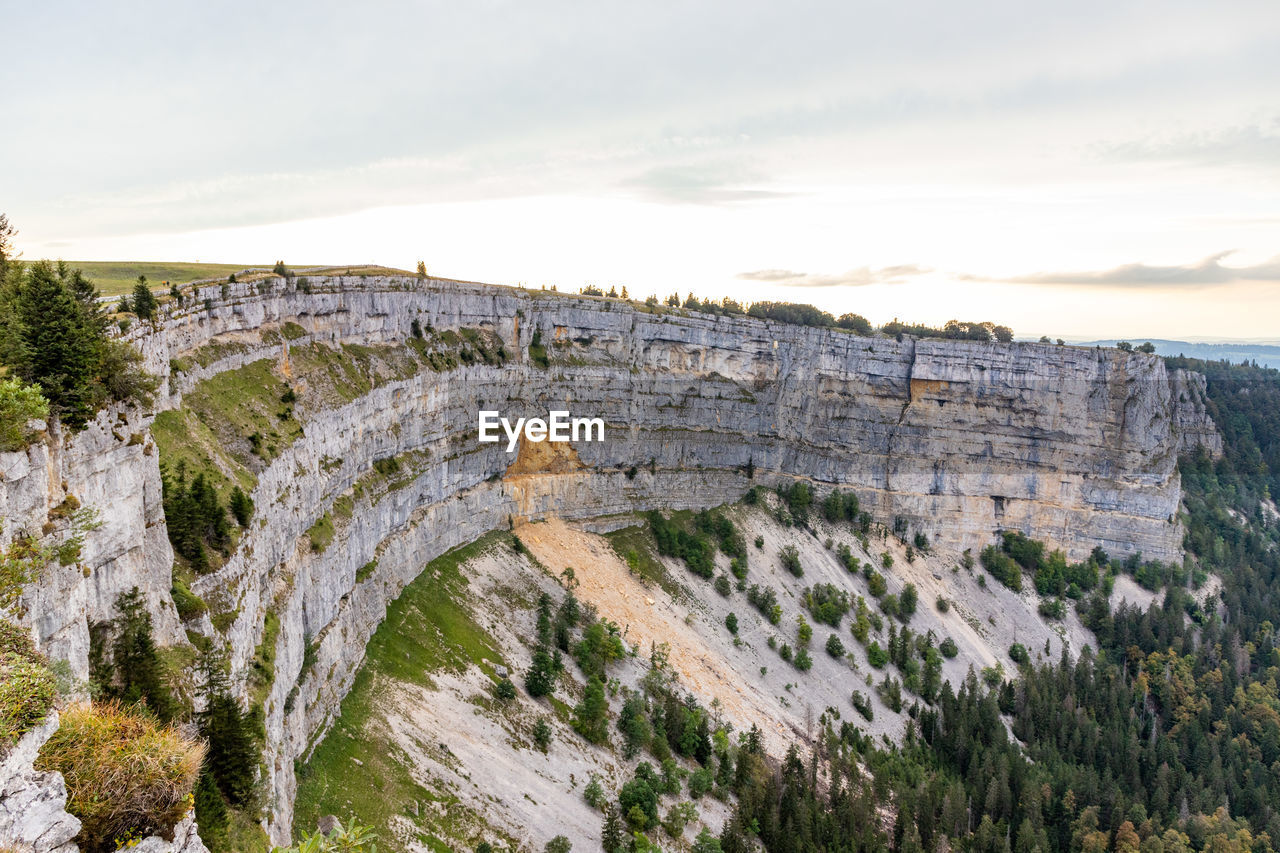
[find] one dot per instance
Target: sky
(1082, 169)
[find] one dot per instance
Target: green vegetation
(19, 404)
(537, 351)
(352, 838)
(320, 533)
(635, 545)
(790, 559)
(27, 687)
(127, 775)
(196, 519)
(427, 629)
(53, 335)
(765, 600)
(673, 540)
(986, 332)
(827, 602)
(119, 277)
(124, 663)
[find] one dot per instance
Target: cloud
(1242, 145)
(713, 184)
(1209, 271)
(860, 277)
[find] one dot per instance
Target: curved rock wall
(1074, 446)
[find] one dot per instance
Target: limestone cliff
(956, 440)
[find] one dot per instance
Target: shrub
(1018, 653)
(723, 585)
(593, 793)
(863, 705)
(19, 404)
(835, 648)
(827, 603)
(731, 622)
(700, 782)
(559, 844)
(943, 605)
(188, 603)
(876, 655)
(542, 734)
(27, 687)
(1002, 567)
(343, 839)
(907, 601)
(803, 662)
(791, 560)
(127, 775)
(1052, 608)
(504, 689)
(948, 648)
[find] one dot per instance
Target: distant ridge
(1266, 355)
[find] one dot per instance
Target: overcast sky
(1078, 169)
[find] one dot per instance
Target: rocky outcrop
(108, 469)
(954, 440)
(33, 803)
(33, 806)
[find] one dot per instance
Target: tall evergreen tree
(232, 756)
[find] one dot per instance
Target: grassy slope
(427, 629)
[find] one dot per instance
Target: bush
(188, 603)
(791, 560)
(803, 662)
(948, 648)
(1052, 608)
(127, 775)
(907, 602)
(835, 648)
(1018, 653)
(19, 404)
(863, 705)
(27, 687)
(504, 689)
(1002, 567)
(876, 655)
(344, 839)
(943, 605)
(731, 623)
(542, 734)
(593, 793)
(827, 603)
(700, 782)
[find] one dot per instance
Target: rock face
(954, 440)
(33, 803)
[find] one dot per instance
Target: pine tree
(139, 672)
(591, 716)
(144, 301)
(232, 756)
(612, 835)
(241, 506)
(211, 813)
(58, 349)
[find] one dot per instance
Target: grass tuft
(127, 775)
